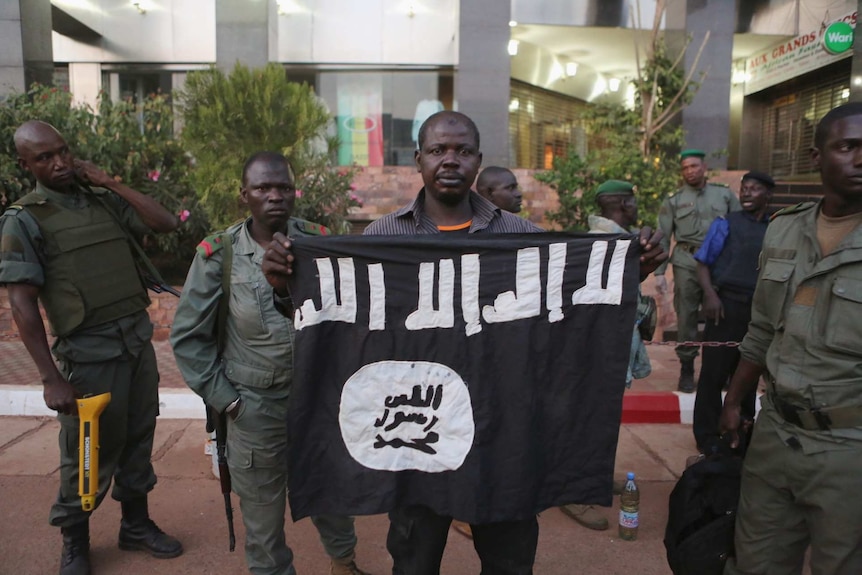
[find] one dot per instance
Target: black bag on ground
(702, 513)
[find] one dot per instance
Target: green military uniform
(639, 362)
(803, 469)
(687, 215)
(98, 313)
(255, 364)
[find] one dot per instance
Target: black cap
(761, 177)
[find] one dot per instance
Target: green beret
(615, 187)
(692, 153)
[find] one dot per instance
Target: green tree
(133, 142)
(229, 117)
(640, 145)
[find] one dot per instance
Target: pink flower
(298, 193)
(184, 215)
(154, 175)
(353, 187)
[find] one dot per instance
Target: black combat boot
(686, 376)
(75, 559)
(140, 533)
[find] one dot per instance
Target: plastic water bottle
(629, 503)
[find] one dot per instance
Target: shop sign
(799, 55)
(838, 37)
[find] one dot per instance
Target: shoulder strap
(800, 207)
(304, 227)
(226, 242)
(29, 199)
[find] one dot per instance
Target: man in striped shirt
(449, 159)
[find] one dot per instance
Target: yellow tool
(89, 410)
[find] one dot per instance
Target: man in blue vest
(727, 273)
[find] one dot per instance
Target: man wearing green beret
(618, 215)
(687, 215)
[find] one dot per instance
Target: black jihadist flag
(481, 377)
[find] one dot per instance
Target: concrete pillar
(856, 66)
(26, 55)
(178, 83)
(242, 33)
(85, 81)
(483, 75)
(706, 120)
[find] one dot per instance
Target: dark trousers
(718, 366)
(417, 537)
(126, 429)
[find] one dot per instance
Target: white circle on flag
(399, 415)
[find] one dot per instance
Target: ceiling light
(512, 23)
(613, 84)
(513, 47)
(739, 76)
(571, 69)
(138, 7)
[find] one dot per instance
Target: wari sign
(799, 55)
(838, 37)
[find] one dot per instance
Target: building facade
(523, 69)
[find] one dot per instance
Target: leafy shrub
(227, 118)
(132, 142)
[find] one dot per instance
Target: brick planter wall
(161, 312)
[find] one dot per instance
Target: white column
(85, 81)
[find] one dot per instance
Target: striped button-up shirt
(487, 218)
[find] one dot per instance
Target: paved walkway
(187, 503)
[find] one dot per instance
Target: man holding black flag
(448, 159)
(240, 364)
(69, 247)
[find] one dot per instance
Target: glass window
(543, 125)
(376, 115)
(792, 112)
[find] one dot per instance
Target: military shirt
(687, 215)
(806, 324)
(21, 261)
(258, 345)
(639, 362)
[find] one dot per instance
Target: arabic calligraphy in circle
(400, 415)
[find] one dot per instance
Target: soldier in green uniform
(803, 469)
(618, 209)
(245, 371)
(68, 246)
(687, 215)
